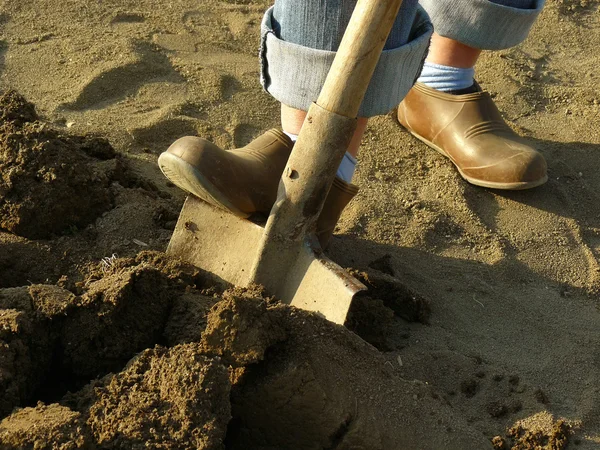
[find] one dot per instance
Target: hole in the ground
(405, 302)
(373, 313)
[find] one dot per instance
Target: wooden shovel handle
(357, 57)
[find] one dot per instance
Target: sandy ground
(511, 344)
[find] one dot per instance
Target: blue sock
(446, 78)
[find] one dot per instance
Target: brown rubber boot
(243, 180)
(469, 130)
(338, 198)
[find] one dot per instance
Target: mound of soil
(321, 386)
(124, 307)
(49, 181)
(242, 327)
(253, 374)
(117, 317)
(165, 398)
(22, 261)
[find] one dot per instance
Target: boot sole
(516, 186)
(187, 177)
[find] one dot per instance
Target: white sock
(446, 78)
(293, 137)
(347, 167)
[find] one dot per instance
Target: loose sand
(482, 328)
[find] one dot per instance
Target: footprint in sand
(238, 22)
(203, 22)
(115, 81)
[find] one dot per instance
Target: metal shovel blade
(226, 246)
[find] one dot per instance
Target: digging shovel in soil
(284, 256)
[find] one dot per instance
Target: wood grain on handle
(359, 52)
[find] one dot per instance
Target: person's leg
(450, 52)
(450, 64)
(462, 121)
(299, 40)
(308, 24)
(292, 120)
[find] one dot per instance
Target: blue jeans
(300, 37)
(484, 24)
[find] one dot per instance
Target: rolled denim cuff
(480, 23)
(294, 75)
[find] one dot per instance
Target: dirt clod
(498, 443)
(371, 320)
(556, 438)
(15, 109)
(44, 428)
(399, 298)
(26, 345)
(241, 328)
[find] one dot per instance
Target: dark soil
(317, 385)
(50, 182)
(373, 314)
(20, 261)
(241, 328)
(117, 317)
(51, 337)
(402, 301)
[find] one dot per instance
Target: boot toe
(242, 181)
(190, 149)
(532, 168)
(514, 166)
(192, 164)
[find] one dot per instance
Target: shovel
(284, 255)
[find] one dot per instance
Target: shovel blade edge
(216, 241)
(227, 246)
(315, 283)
